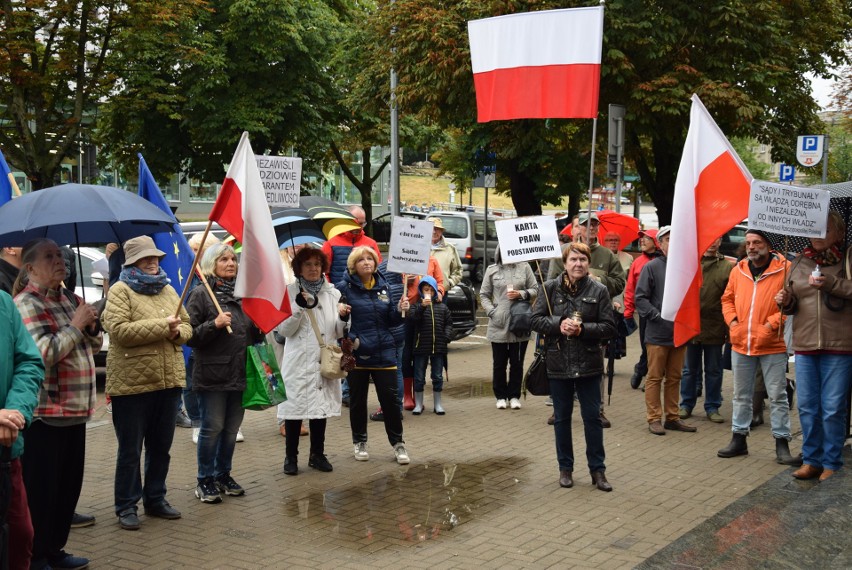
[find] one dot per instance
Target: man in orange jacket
(756, 333)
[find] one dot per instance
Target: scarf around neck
(143, 283)
(826, 258)
(312, 287)
(225, 286)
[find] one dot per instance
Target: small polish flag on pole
(537, 65)
(241, 209)
(711, 196)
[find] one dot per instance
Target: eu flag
(178, 260)
(8, 186)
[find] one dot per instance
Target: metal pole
(592, 161)
(825, 159)
(620, 167)
(394, 163)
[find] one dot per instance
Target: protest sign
(281, 177)
(788, 210)
(410, 245)
(528, 238)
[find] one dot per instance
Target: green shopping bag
(264, 384)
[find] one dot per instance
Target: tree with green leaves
(746, 59)
(58, 62)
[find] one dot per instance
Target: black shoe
(128, 520)
(738, 446)
(782, 453)
(566, 479)
(319, 462)
(67, 561)
(228, 486)
(605, 422)
(80, 521)
(677, 425)
(207, 492)
(635, 380)
(163, 511)
(290, 467)
(378, 416)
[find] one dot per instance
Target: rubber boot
(782, 453)
(438, 408)
(757, 406)
(408, 394)
(738, 446)
(418, 401)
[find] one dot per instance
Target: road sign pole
(825, 159)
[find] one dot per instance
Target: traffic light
(612, 165)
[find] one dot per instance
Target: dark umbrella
(293, 226)
(75, 214)
(80, 214)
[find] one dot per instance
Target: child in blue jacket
(433, 326)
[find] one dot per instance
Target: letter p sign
(809, 149)
(786, 173)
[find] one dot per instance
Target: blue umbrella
(80, 214)
(294, 226)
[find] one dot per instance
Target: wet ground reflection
(473, 390)
(411, 505)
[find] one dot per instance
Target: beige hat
(439, 224)
(139, 247)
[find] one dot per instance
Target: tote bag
(264, 384)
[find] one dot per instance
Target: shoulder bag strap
(315, 327)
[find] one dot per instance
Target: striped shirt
(69, 384)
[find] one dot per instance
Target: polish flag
(537, 65)
(241, 209)
(711, 196)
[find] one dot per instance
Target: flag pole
(592, 171)
(203, 280)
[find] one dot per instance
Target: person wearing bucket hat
(446, 255)
(648, 247)
(145, 377)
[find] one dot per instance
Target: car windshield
(454, 227)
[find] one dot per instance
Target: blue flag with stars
(178, 260)
(8, 186)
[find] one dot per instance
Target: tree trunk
(523, 192)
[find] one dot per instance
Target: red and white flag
(241, 209)
(537, 65)
(711, 196)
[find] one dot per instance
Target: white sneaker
(501, 404)
(195, 434)
(401, 454)
(240, 436)
(361, 451)
(515, 404)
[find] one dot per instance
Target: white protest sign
(281, 177)
(410, 246)
(788, 210)
(528, 238)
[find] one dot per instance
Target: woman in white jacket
(310, 395)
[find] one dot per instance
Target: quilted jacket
(141, 356)
(374, 315)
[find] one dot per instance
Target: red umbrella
(627, 227)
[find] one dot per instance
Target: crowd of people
(580, 305)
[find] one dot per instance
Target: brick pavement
(481, 490)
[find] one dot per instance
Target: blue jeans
(221, 416)
(774, 377)
(691, 381)
(436, 363)
(190, 398)
(143, 419)
(589, 393)
(823, 382)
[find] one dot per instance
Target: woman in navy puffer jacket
(374, 313)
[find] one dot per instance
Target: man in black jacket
(665, 360)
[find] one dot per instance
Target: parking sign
(809, 149)
(786, 173)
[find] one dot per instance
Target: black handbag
(535, 378)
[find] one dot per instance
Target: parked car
(91, 287)
(731, 241)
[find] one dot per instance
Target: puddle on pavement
(411, 505)
(473, 390)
